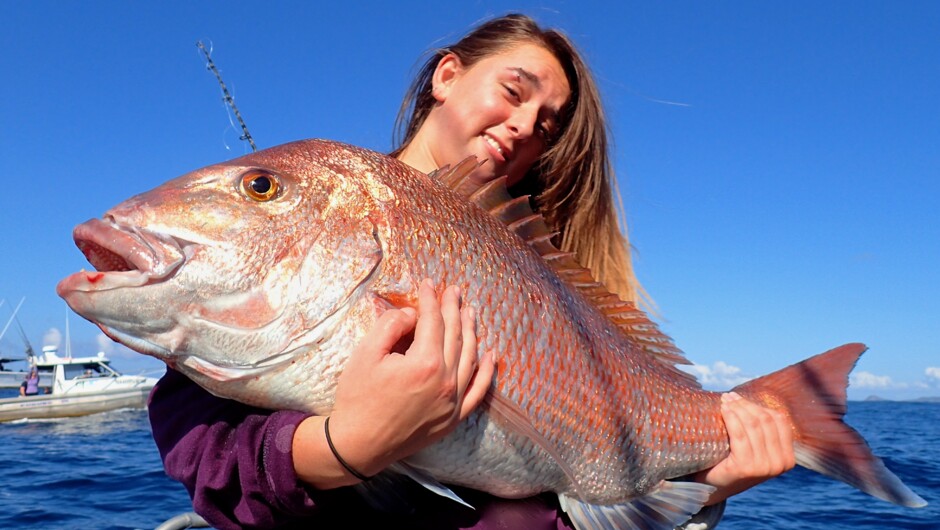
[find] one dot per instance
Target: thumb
(388, 330)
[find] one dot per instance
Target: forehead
(545, 70)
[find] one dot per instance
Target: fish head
(233, 269)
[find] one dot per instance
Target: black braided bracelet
(329, 441)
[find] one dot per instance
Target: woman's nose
(522, 122)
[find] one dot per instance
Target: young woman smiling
(521, 99)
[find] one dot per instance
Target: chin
(483, 174)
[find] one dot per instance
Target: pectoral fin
(516, 420)
(387, 491)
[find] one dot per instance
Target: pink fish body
(257, 277)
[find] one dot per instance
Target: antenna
(13, 316)
(68, 341)
(29, 348)
(229, 100)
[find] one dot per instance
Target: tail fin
(812, 394)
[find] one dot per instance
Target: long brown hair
(572, 183)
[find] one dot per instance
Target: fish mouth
(123, 256)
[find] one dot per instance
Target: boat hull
(63, 406)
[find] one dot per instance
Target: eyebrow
(527, 75)
(537, 83)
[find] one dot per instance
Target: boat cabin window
(84, 371)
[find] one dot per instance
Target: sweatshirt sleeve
(235, 460)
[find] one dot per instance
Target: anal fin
(666, 507)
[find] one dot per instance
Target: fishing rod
(30, 353)
(229, 100)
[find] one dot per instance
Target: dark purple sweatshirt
(236, 463)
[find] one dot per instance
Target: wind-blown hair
(572, 183)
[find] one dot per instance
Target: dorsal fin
(517, 214)
(455, 178)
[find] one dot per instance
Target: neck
(417, 154)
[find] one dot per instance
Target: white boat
(76, 386)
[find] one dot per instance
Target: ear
(448, 70)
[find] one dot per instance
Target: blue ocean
(103, 472)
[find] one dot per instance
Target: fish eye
(260, 185)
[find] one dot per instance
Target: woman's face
(504, 109)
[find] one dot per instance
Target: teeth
(494, 144)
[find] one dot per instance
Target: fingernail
(410, 311)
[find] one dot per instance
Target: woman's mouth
(501, 154)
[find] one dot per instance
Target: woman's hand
(761, 448)
(389, 405)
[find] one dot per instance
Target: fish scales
(593, 405)
(261, 297)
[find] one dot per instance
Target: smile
(495, 145)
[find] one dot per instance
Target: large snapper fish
(256, 278)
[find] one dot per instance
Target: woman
(30, 384)
(521, 99)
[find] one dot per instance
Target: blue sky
(779, 161)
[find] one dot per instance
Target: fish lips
(123, 257)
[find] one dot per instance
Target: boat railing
(182, 521)
(98, 388)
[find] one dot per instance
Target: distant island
(934, 399)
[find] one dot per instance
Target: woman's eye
(260, 185)
(545, 135)
(512, 92)
(546, 132)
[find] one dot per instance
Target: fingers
(429, 333)
(479, 384)
(432, 387)
(454, 330)
(389, 328)
(741, 448)
(467, 363)
(761, 438)
(441, 331)
(761, 443)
